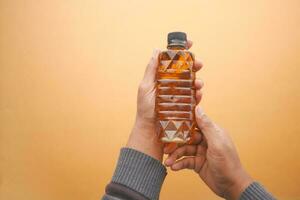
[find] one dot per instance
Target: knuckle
(206, 119)
(184, 163)
(201, 82)
(205, 122)
(151, 62)
(142, 87)
(177, 154)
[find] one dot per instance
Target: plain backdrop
(69, 72)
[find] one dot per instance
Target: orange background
(69, 72)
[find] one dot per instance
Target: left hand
(144, 136)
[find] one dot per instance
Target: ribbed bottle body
(175, 97)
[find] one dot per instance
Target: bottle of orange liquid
(175, 97)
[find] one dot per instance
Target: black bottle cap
(177, 39)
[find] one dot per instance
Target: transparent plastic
(175, 97)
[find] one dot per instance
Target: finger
(198, 84)
(210, 130)
(197, 65)
(186, 150)
(198, 96)
(150, 72)
(196, 137)
(170, 147)
(189, 44)
(194, 163)
(203, 142)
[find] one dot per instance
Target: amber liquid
(175, 97)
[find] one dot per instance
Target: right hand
(144, 137)
(214, 158)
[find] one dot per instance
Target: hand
(144, 136)
(214, 158)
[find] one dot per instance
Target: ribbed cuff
(256, 192)
(140, 172)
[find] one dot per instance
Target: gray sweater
(140, 177)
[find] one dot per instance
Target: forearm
(137, 176)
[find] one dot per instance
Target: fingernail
(168, 162)
(175, 166)
(200, 111)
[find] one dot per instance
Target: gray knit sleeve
(136, 174)
(256, 192)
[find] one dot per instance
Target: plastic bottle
(175, 97)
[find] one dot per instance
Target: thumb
(209, 129)
(150, 72)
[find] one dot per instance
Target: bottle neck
(176, 47)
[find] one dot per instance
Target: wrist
(144, 138)
(240, 182)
